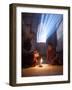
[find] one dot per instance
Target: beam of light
(48, 25)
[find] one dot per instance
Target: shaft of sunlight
(48, 25)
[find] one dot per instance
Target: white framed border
(63, 77)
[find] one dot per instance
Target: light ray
(49, 24)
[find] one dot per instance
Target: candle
(40, 64)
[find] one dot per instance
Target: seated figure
(37, 57)
(51, 55)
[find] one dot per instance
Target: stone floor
(44, 70)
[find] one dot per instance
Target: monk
(51, 55)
